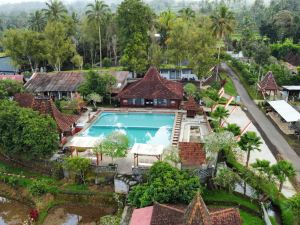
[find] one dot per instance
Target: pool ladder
(177, 127)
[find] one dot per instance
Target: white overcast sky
(18, 1)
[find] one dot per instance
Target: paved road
(272, 137)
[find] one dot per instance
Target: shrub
(106, 62)
(165, 184)
(38, 188)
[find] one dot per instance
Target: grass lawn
(249, 219)
(219, 195)
(229, 86)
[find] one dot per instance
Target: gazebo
(84, 143)
(146, 150)
(268, 84)
(191, 107)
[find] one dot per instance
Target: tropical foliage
(165, 184)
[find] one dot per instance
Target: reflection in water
(12, 212)
(72, 214)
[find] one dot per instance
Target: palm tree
(283, 170)
(222, 25)
(96, 13)
(220, 113)
(233, 128)
(55, 10)
(37, 21)
(187, 13)
(263, 167)
(249, 142)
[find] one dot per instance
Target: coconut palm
(283, 170)
(55, 10)
(248, 143)
(37, 21)
(222, 25)
(187, 13)
(220, 113)
(96, 13)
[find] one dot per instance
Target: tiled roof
(195, 214)
(47, 106)
(229, 216)
(167, 215)
(12, 77)
(191, 104)
(191, 154)
(59, 81)
(153, 86)
(268, 82)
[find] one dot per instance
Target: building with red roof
(19, 78)
(191, 107)
(152, 90)
(65, 123)
(268, 84)
(191, 154)
(196, 213)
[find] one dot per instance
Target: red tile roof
(192, 154)
(142, 216)
(191, 104)
(268, 83)
(153, 86)
(19, 78)
(47, 106)
(195, 214)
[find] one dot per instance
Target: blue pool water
(139, 127)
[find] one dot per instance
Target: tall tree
(283, 170)
(222, 25)
(248, 143)
(187, 13)
(25, 47)
(55, 10)
(37, 21)
(59, 45)
(95, 14)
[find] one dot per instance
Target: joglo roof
(285, 110)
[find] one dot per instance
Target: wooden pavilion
(268, 85)
(191, 107)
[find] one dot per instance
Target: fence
(265, 215)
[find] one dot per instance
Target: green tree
(249, 142)
(23, 133)
(165, 20)
(55, 10)
(9, 88)
(294, 204)
(263, 167)
(135, 55)
(77, 60)
(24, 47)
(171, 155)
(190, 89)
(283, 170)
(94, 98)
(59, 45)
(139, 20)
(165, 184)
(187, 13)
(220, 114)
(78, 165)
(115, 145)
(227, 179)
(37, 21)
(98, 83)
(233, 128)
(222, 25)
(96, 13)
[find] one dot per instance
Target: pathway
(273, 138)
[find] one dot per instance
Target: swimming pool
(149, 128)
